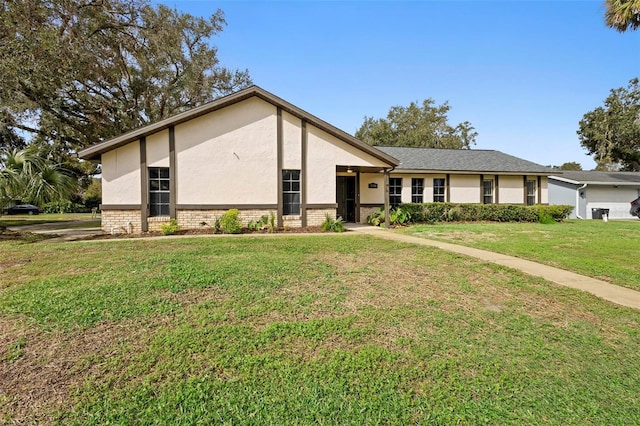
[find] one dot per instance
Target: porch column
(387, 211)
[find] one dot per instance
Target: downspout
(578, 201)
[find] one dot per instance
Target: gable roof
(599, 178)
(462, 160)
(94, 152)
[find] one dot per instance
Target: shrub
(451, 212)
(65, 207)
(397, 216)
(170, 228)
(230, 222)
(332, 225)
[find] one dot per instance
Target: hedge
(452, 212)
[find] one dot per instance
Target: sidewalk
(613, 293)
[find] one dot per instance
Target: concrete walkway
(613, 293)
(63, 231)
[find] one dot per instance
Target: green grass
(19, 220)
(339, 329)
(604, 250)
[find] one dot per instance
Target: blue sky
(522, 72)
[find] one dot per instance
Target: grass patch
(20, 220)
(594, 248)
(328, 329)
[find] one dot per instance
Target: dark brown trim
(303, 172)
(120, 207)
(387, 208)
(279, 144)
(448, 188)
(496, 189)
(357, 197)
(172, 172)
(322, 206)
(539, 190)
(226, 206)
(144, 186)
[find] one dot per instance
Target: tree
(30, 178)
(611, 133)
(417, 126)
(570, 165)
(77, 72)
(622, 15)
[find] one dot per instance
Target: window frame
(157, 206)
(417, 190)
(437, 196)
(487, 197)
(395, 191)
(291, 192)
(530, 196)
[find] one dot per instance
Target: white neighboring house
(588, 191)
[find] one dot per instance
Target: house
(588, 191)
(464, 176)
(258, 153)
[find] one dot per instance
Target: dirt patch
(24, 236)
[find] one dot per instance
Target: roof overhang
(594, 183)
(94, 152)
(468, 172)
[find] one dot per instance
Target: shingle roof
(95, 151)
(599, 178)
(461, 160)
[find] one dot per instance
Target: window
(159, 191)
(417, 188)
(290, 192)
(438, 190)
(531, 192)
(395, 191)
(487, 191)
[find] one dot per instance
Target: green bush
(170, 228)
(451, 212)
(332, 225)
(65, 207)
(397, 216)
(230, 222)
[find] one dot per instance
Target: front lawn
(333, 329)
(20, 220)
(604, 250)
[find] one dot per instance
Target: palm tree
(27, 176)
(622, 15)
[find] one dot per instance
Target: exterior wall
(291, 142)
(315, 217)
(324, 152)
(371, 195)
(121, 175)
(428, 186)
(544, 183)
(563, 193)
(617, 200)
(158, 149)
(117, 221)
(194, 219)
(228, 156)
(366, 211)
(465, 189)
(512, 189)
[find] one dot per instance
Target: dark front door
(346, 197)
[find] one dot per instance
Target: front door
(346, 197)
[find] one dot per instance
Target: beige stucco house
(255, 152)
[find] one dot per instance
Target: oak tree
(423, 125)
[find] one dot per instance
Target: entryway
(346, 197)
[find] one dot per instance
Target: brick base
(130, 221)
(366, 211)
(121, 221)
